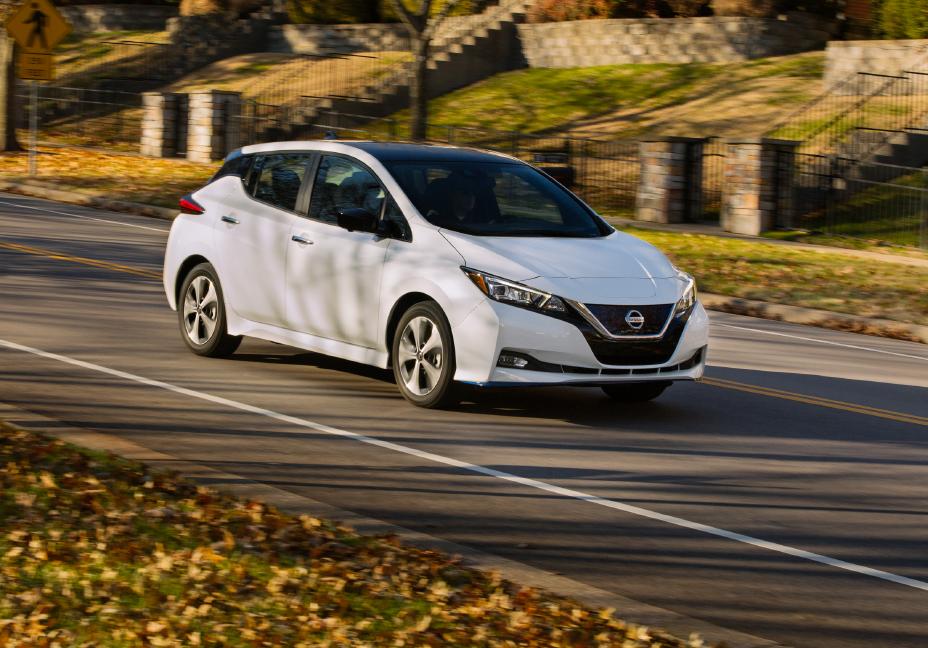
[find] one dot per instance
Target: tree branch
(415, 22)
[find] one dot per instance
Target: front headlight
(516, 294)
(688, 299)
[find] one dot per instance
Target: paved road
(748, 501)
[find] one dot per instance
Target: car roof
(388, 151)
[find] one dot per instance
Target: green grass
(630, 97)
(813, 279)
(100, 551)
(894, 212)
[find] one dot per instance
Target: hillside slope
(626, 101)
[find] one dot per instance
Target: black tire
(442, 391)
(215, 342)
(635, 392)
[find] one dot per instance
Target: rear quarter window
(237, 166)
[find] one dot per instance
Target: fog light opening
(511, 361)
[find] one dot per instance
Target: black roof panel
(397, 152)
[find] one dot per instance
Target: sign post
(38, 28)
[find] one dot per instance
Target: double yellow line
(96, 263)
(817, 400)
(714, 382)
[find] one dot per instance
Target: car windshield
(495, 199)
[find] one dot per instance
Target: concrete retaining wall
(92, 18)
(682, 40)
(846, 58)
(316, 39)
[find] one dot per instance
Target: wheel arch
(402, 305)
(186, 266)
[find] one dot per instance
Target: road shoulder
(626, 608)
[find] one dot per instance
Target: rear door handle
(232, 220)
(302, 240)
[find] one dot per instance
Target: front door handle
(302, 240)
(232, 220)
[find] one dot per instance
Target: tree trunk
(418, 91)
(8, 112)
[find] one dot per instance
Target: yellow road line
(715, 382)
(60, 256)
(818, 400)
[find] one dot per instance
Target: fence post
(214, 129)
(34, 129)
(161, 121)
(670, 183)
(759, 184)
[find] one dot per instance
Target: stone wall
(92, 18)
(367, 37)
(681, 40)
(201, 40)
(843, 59)
(316, 39)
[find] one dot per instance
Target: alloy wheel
(421, 356)
(201, 310)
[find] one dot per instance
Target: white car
(450, 265)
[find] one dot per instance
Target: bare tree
(8, 102)
(422, 25)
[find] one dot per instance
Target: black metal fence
(873, 201)
(713, 178)
(126, 65)
(108, 119)
(857, 117)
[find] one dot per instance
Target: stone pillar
(670, 184)
(162, 124)
(214, 124)
(757, 194)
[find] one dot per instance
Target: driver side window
(342, 184)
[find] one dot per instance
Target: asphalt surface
(786, 497)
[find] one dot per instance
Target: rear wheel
(423, 357)
(201, 313)
(635, 392)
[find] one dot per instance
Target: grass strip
(98, 550)
(785, 275)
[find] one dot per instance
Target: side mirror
(356, 219)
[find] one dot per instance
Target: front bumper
(566, 350)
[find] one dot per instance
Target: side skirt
(325, 346)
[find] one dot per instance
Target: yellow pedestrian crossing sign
(38, 27)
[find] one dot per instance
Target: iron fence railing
(89, 117)
(874, 201)
(121, 64)
(713, 177)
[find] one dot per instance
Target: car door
(253, 236)
(333, 275)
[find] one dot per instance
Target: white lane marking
(820, 341)
(482, 470)
(90, 218)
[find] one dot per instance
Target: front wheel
(635, 392)
(201, 314)
(423, 357)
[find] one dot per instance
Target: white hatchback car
(451, 265)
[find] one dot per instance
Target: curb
(49, 192)
(722, 303)
(628, 609)
(814, 317)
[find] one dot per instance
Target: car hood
(617, 256)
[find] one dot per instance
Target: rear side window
(237, 165)
(276, 179)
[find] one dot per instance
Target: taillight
(190, 206)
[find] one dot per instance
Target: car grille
(613, 318)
